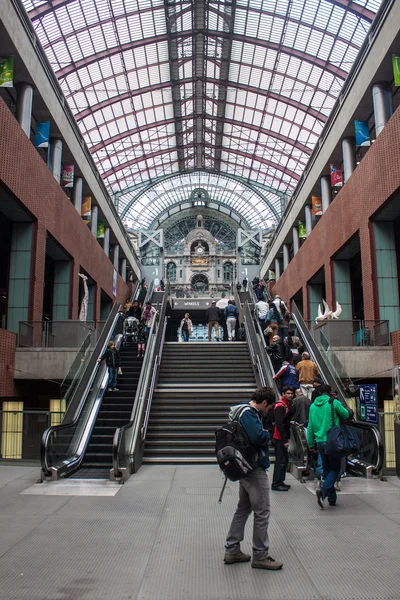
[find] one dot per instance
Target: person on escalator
(148, 315)
(244, 284)
(113, 362)
(278, 352)
(280, 438)
(141, 338)
(319, 423)
(133, 310)
(287, 375)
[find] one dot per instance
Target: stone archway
(199, 283)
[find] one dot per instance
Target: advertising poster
(100, 230)
(86, 211)
(316, 206)
(42, 134)
(336, 176)
(7, 71)
(115, 278)
(369, 403)
(362, 133)
(67, 177)
(302, 230)
(396, 69)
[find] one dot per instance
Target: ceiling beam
(355, 9)
(199, 63)
(49, 7)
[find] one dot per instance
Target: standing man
(244, 283)
(287, 375)
(231, 314)
(253, 489)
(308, 371)
(281, 435)
(278, 352)
(300, 408)
(261, 309)
(316, 384)
(212, 318)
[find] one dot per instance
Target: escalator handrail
(78, 400)
(152, 353)
(149, 292)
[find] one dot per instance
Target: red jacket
(282, 413)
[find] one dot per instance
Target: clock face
(200, 250)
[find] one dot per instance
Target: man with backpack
(281, 436)
(254, 487)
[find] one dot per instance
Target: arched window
(228, 272)
(171, 272)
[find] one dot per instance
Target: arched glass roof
(238, 87)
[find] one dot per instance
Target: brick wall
(24, 173)
(7, 362)
(395, 340)
(375, 180)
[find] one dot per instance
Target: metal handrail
(157, 363)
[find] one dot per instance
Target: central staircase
(197, 384)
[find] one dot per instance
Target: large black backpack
(236, 456)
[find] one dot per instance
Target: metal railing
(352, 332)
(128, 443)
(54, 334)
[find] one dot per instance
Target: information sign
(369, 403)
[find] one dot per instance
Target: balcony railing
(352, 332)
(55, 334)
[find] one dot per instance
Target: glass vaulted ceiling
(239, 87)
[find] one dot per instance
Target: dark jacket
(251, 421)
(315, 394)
(282, 415)
(277, 352)
(134, 312)
(288, 375)
(212, 314)
(300, 409)
(112, 358)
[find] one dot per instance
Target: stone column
(286, 256)
(116, 257)
(77, 194)
(123, 269)
(326, 192)
(383, 105)
(55, 157)
(296, 241)
(24, 107)
(93, 220)
(277, 269)
(106, 241)
(308, 219)
(349, 157)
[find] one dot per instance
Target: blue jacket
(251, 421)
(289, 375)
(231, 311)
(273, 316)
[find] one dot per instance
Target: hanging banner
(362, 133)
(100, 230)
(7, 71)
(115, 279)
(85, 299)
(336, 176)
(67, 177)
(86, 211)
(316, 206)
(42, 134)
(396, 69)
(302, 230)
(271, 275)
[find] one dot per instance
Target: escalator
(82, 444)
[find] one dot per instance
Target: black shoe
(286, 485)
(320, 499)
(332, 502)
(279, 488)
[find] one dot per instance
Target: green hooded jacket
(320, 419)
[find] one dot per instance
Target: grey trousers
(253, 497)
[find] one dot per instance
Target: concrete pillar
(55, 157)
(123, 269)
(116, 257)
(77, 194)
(286, 256)
(93, 220)
(277, 269)
(24, 107)
(349, 157)
(308, 219)
(296, 242)
(106, 241)
(326, 192)
(383, 105)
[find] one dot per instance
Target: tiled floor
(161, 537)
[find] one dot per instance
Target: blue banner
(368, 402)
(362, 133)
(42, 134)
